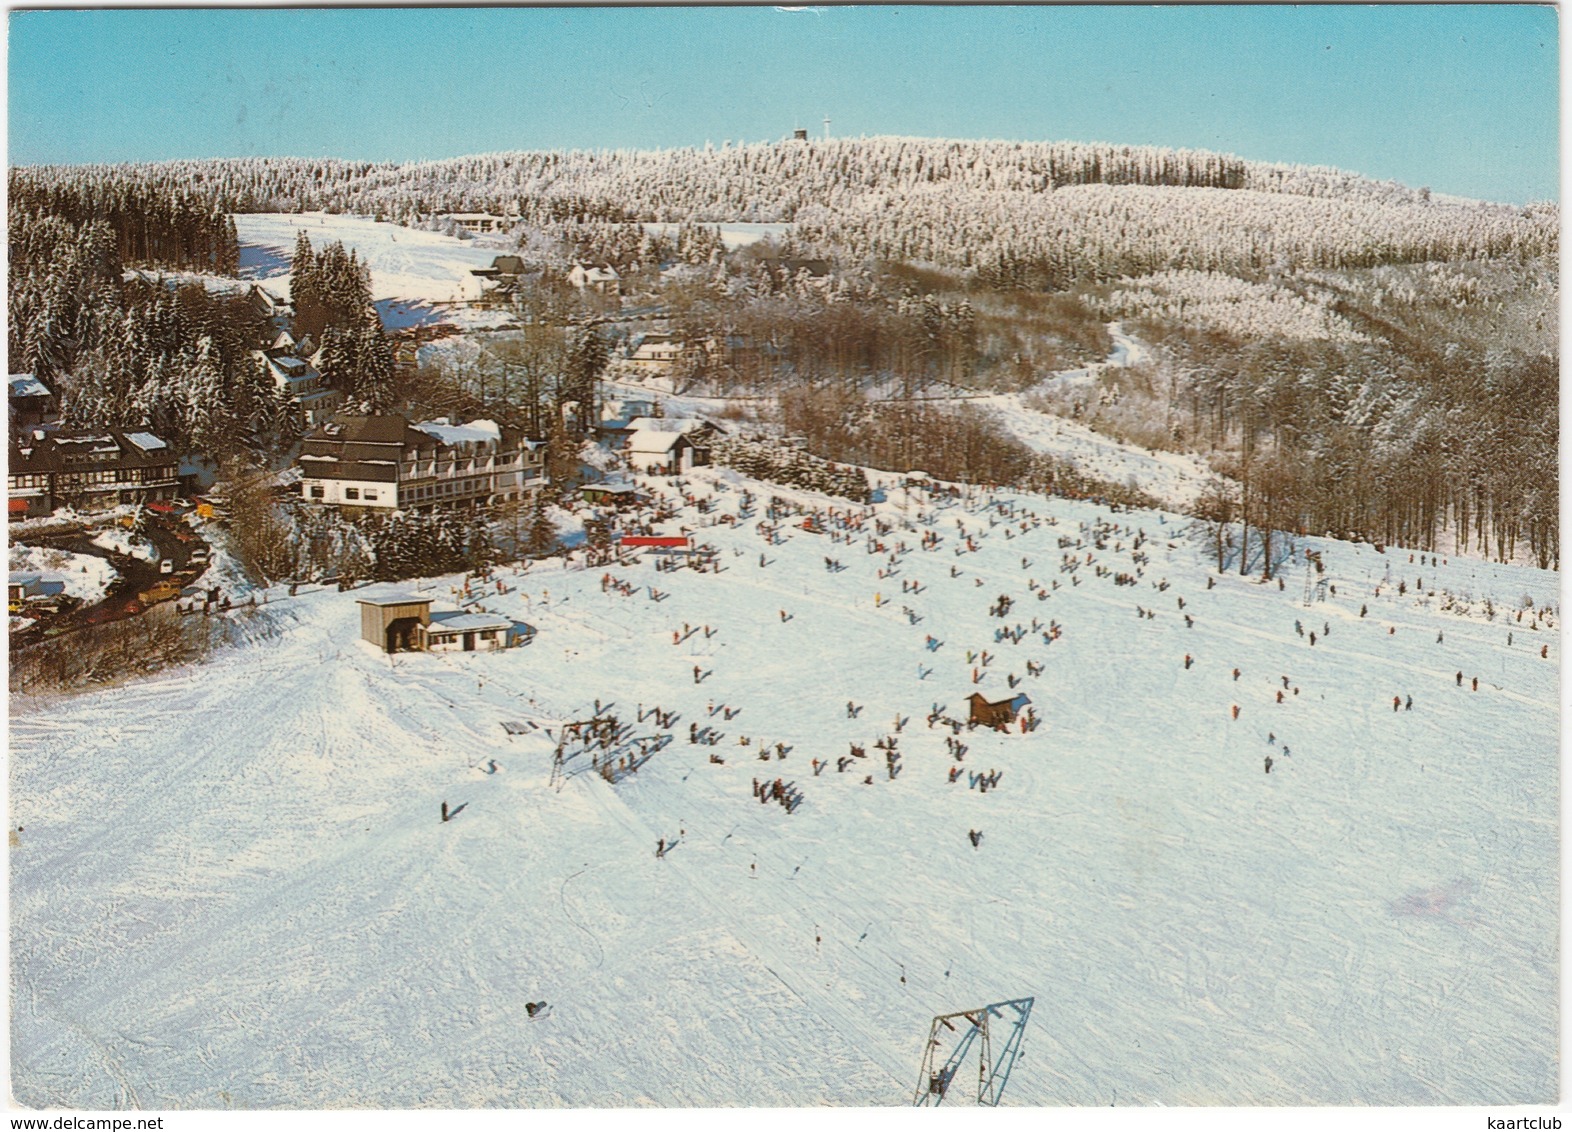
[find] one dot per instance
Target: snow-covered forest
(1024, 212)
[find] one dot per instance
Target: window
(351, 493)
(371, 494)
(317, 491)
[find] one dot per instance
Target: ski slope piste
(719, 833)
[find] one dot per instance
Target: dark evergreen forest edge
(1358, 357)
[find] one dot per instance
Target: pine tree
(542, 531)
(305, 289)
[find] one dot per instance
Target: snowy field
(230, 888)
(410, 270)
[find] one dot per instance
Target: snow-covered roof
(26, 385)
(476, 432)
(648, 440)
(668, 424)
(394, 599)
(460, 622)
(146, 441)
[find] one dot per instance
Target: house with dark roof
(386, 462)
(500, 281)
(87, 469)
(30, 401)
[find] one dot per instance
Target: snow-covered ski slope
(231, 887)
(410, 269)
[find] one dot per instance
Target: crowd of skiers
(1087, 550)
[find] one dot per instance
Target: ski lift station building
(405, 623)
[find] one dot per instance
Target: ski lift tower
(967, 1029)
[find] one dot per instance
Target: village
(142, 507)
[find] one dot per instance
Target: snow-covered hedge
(1058, 477)
(784, 464)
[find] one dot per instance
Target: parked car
(199, 556)
(159, 591)
(166, 567)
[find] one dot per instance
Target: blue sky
(1463, 99)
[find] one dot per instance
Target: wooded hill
(1036, 214)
